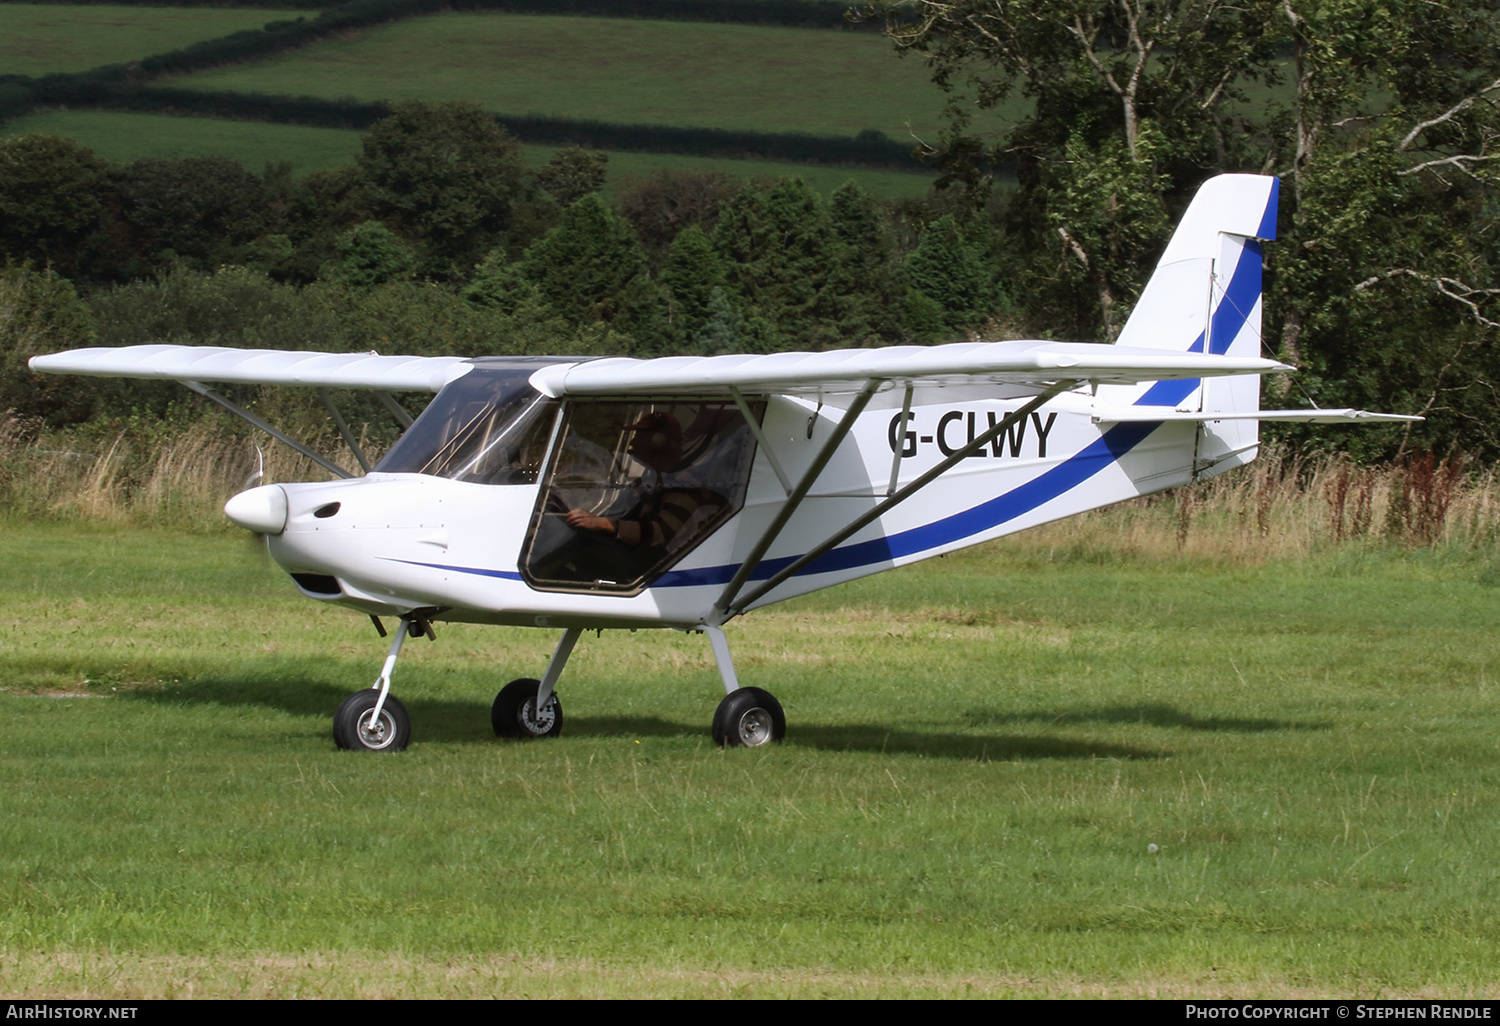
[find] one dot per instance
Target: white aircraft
(682, 492)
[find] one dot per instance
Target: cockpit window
(488, 427)
(633, 488)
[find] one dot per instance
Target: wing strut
(900, 445)
(389, 402)
(760, 438)
(723, 609)
(343, 426)
(720, 611)
(247, 416)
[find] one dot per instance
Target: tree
(722, 329)
(53, 195)
(572, 174)
(370, 254)
(1100, 67)
(1389, 288)
(1128, 98)
(867, 279)
(201, 210)
(40, 313)
(319, 210)
(948, 271)
(666, 202)
(692, 272)
(779, 249)
(591, 269)
(448, 178)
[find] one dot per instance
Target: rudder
(1205, 297)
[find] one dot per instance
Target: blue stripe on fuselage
(1229, 317)
(1002, 509)
(1017, 502)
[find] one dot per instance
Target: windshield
(488, 427)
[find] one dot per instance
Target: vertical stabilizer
(1205, 297)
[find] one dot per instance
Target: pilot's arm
(628, 532)
(663, 523)
(589, 522)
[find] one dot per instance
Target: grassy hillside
(637, 72)
(36, 39)
(123, 137)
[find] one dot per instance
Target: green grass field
(36, 39)
(637, 72)
(124, 137)
(982, 752)
(622, 70)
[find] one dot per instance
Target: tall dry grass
(1288, 506)
(179, 478)
(1283, 506)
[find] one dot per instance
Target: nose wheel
(373, 720)
(355, 730)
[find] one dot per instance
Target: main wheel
(514, 713)
(351, 724)
(749, 718)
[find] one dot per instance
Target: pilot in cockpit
(667, 503)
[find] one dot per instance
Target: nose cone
(262, 510)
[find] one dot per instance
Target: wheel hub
(378, 735)
(755, 728)
(536, 724)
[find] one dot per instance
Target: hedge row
(868, 149)
(124, 87)
(789, 13)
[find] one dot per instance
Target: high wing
(259, 367)
(1015, 363)
(1026, 363)
(1023, 364)
(193, 365)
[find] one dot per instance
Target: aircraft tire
(514, 711)
(748, 718)
(391, 734)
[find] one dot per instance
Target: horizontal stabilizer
(1149, 414)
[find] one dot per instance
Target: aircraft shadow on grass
(461, 721)
(1156, 714)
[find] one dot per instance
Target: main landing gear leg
(528, 707)
(373, 719)
(747, 717)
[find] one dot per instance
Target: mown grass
(123, 137)
(982, 752)
(39, 39)
(622, 70)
